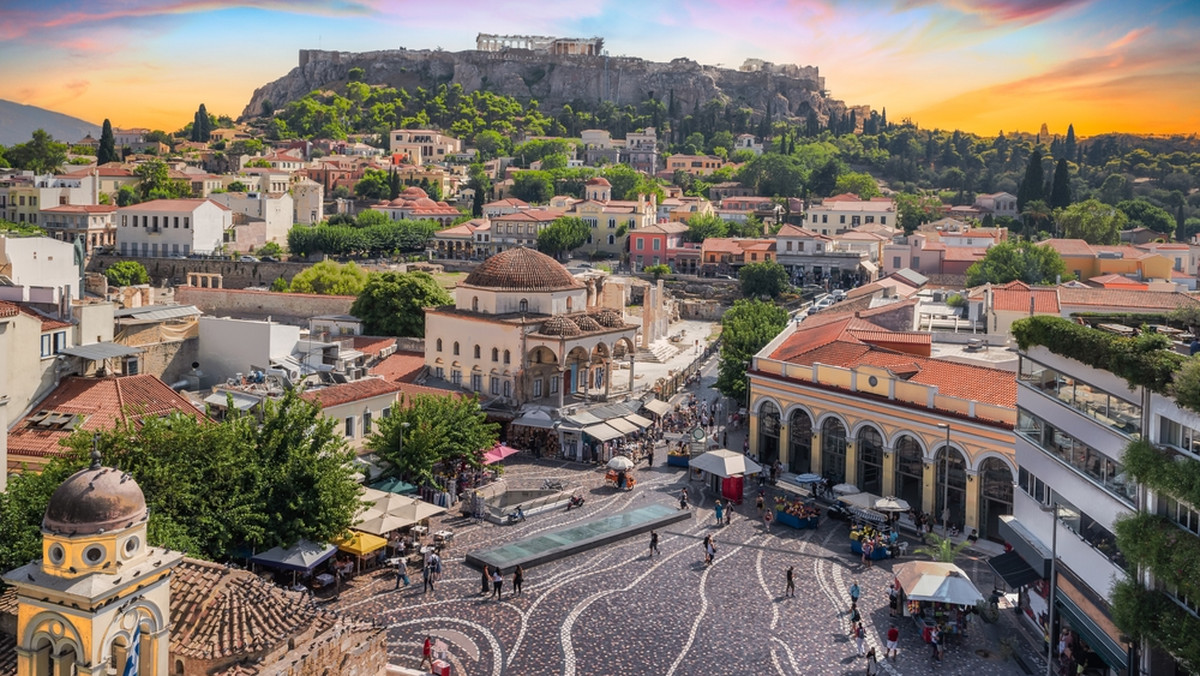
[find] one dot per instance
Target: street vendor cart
(935, 594)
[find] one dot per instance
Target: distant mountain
(18, 122)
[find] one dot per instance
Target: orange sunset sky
(1104, 65)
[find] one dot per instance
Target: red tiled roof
(98, 404)
(964, 253)
(530, 215)
(1135, 301)
(410, 390)
(400, 367)
(344, 393)
(8, 309)
(1070, 247)
(1014, 297)
(81, 209)
(1118, 280)
(48, 323)
(372, 345)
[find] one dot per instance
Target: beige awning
(657, 407)
(622, 425)
(603, 432)
(639, 420)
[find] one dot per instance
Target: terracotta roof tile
(8, 309)
(1014, 297)
(1143, 301)
(344, 393)
(401, 367)
(372, 345)
(522, 269)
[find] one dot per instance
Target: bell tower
(97, 602)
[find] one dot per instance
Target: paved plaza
(615, 610)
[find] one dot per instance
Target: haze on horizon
(977, 65)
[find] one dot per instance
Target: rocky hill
(555, 79)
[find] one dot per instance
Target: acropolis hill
(557, 71)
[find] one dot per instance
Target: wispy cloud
(1019, 12)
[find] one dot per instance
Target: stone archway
(768, 433)
(950, 486)
(995, 495)
(910, 466)
(541, 367)
(800, 431)
(833, 450)
(870, 460)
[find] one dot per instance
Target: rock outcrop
(553, 80)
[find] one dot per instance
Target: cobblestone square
(615, 610)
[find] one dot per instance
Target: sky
(979, 65)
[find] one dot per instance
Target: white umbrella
(724, 463)
(937, 581)
(891, 504)
(620, 463)
(846, 489)
(807, 478)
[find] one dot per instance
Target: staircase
(659, 352)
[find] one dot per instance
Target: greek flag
(131, 663)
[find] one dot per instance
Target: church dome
(522, 269)
(413, 192)
(586, 323)
(610, 319)
(599, 180)
(560, 326)
(95, 500)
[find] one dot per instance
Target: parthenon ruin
(487, 42)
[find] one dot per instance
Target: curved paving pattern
(614, 610)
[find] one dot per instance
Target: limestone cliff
(554, 80)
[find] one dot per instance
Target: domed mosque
(523, 330)
(102, 601)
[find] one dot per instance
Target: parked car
(248, 259)
(270, 259)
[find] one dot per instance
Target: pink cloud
(1129, 38)
(1021, 12)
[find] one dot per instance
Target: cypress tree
(883, 119)
(1032, 187)
(812, 126)
(1069, 143)
(108, 145)
(1060, 191)
(204, 123)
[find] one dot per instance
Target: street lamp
(1053, 583)
(400, 446)
(946, 481)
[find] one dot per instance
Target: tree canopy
(768, 278)
(349, 240)
(1025, 261)
(705, 226)
(107, 150)
(393, 303)
(329, 278)
(745, 329)
(126, 273)
(41, 154)
(1092, 221)
(155, 183)
(1144, 214)
(566, 233)
(425, 430)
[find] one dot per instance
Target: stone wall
(285, 308)
(173, 271)
(705, 310)
(168, 349)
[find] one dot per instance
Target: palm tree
(1035, 213)
(942, 549)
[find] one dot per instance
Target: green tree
(746, 328)
(941, 548)
(772, 174)
(155, 182)
(427, 430)
(107, 151)
(41, 154)
(481, 185)
(1060, 191)
(369, 217)
(1092, 221)
(280, 285)
(1144, 214)
(330, 279)
(566, 233)
(1033, 184)
(22, 507)
(127, 273)
(393, 303)
(270, 249)
(858, 183)
(355, 74)
(373, 185)
(657, 270)
(915, 210)
(492, 144)
(1036, 214)
(127, 195)
(1025, 261)
(535, 187)
(823, 180)
(768, 278)
(1115, 188)
(705, 226)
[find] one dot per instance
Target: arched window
(870, 460)
(523, 306)
(800, 431)
(995, 495)
(909, 470)
(439, 345)
(950, 472)
(507, 357)
(570, 302)
(456, 347)
(475, 304)
(495, 354)
(833, 450)
(768, 433)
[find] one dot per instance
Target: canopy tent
(621, 425)
(498, 453)
(603, 432)
(891, 504)
(390, 512)
(846, 489)
(937, 581)
(384, 502)
(417, 511)
(394, 485)
(657, 407)
(359, 544)
(381, 524)
(639, 420)
(539, 419)
(301, 557)
(807, 478)
(862, 505)
(725, 463)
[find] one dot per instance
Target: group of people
(493, 579)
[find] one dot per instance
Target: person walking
(935, 640)
(872, 663)
(728, 513)
(759, 502)
(683, 498)
(653, 543)
(893, 601)
(791, 582)
(860, 637)
(427, 576)
(518, 579)
(767, 520)
(720, 513)
(497, 583)
(893, 640)
(854, 592)
(487, 579)
(855, 616)
(401, 572)
(427, 652)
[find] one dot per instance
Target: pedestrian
(758, 503)
(893, 601)
(860, 637)
(855, 616)
(872, 663)
(935, 639)
(518, 578)
(720, 513)
(791, 582)
(854, 591)
(427, 653)
(487, 579)
(728, 513)
(893, 639)
(767, 520)
(868, 549)
(427, 576)
(653, 543)
(683, 499)
(401, 572)
(497, 583)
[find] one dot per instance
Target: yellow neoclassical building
(853, 401)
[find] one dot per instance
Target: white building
(90, 222)
(172, 227)
(39, 269)
(834, 216)
(308, 202)
(268, 216)
(231, 346)
(423, 145)
(998, 204)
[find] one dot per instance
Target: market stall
(498, 453)
(935, 594)
(727, 469)
(797, 513)
(301, 558)
(362, 546)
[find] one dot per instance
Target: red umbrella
(498, 453)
